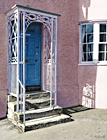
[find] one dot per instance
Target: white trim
(24, 100)
(91, 64)
(56, 67)
(18, 43)
(80, 48)
(8, 64)
(95, 42)
(12, 12)
(43, 54)
(51, 61)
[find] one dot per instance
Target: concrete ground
(87, 125)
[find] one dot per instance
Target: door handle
(27, 60)
(26, 43)
(35, 60)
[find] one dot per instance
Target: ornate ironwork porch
(18, 20)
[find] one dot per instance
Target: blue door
(33, 55)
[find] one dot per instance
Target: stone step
(13, 105)
(38, 113)
(11, 98)
(39, 103)
(37, 94)
(32, 88)
(44, 122)
(10, 114)
(34, 99)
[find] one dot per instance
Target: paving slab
(87, 125)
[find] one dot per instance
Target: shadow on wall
(88, 98)
(83, 9)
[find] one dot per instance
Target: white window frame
(96, 42)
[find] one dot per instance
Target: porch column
(24, 65)
(18, 43)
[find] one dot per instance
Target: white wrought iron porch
(18, 19)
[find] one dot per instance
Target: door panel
(33, 55)
(31, 71)
(31, 46)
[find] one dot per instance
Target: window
(93, 43)
(87, 42)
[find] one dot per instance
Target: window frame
(96, 42)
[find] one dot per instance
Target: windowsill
(87, 64)
(93, 64)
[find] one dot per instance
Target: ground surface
(87, 125)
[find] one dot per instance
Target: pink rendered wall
(94, 76)
(3, 65)
(67, 79)
(68, 38)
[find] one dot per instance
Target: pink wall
(68, 38)
(67, 79)
(3, 65)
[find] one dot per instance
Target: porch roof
(28, 7)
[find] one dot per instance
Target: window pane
(101, 47)
(83, 39)
(84, 57)
(90, 47)
(102, 37)
(83, 29)
(90, 56)
(90, 28)
(102, 27)
(101, 56)
(84, 48)
(89, 38)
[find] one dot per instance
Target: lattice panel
(30, 17)
(54, 42)
(13, 78)
(47, 77)
(53, 77)
(12, 37)
(47, 47)
(50, 63)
